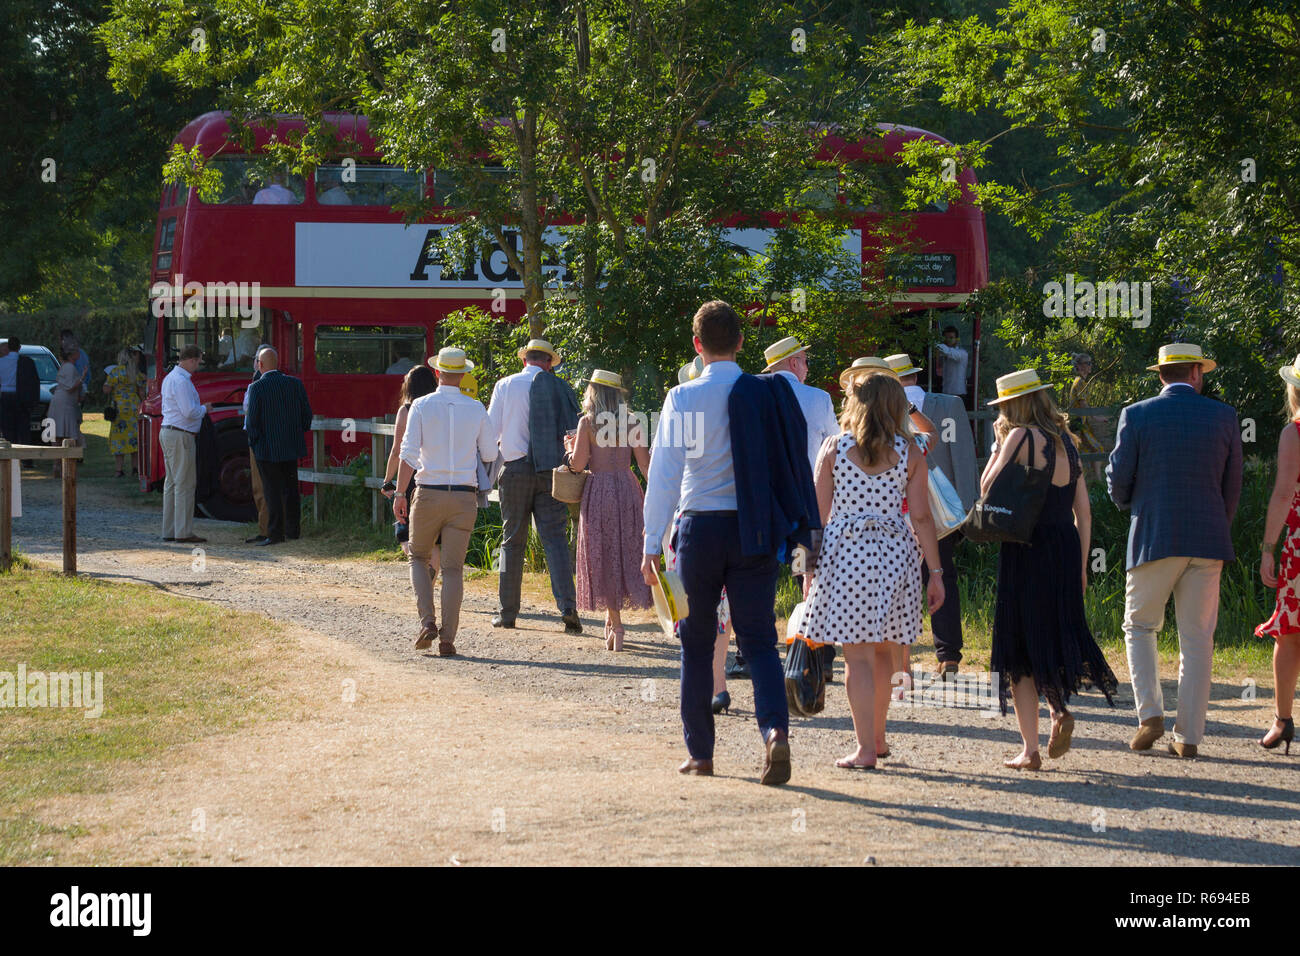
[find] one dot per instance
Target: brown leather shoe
(446, 649)
(425, 640)
(699, 768)
(1149, 731)
(1182, 750)
(776, 762)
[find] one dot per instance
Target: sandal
(1059, 742)
(617, 639)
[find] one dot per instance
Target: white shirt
(690, 459)
(275, 195)
(180, 401)
(954, 368)
(508, 412)
(818, 412)
(447, 433)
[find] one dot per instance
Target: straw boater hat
(451, 360)
(902, 364)
(670, 600)
(782, 350)
(1291, 373)
(861, 368)
(691, 370)
(1180, 352)
(1018, 383)
(540, 345)
(601, 377)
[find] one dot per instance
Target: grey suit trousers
(526, 497)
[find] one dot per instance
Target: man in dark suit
(278, 415)
(1177, 466)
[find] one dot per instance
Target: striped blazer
(278, 415)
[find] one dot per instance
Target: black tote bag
(805, 678)
(1010, 510)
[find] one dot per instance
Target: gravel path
(536, 747)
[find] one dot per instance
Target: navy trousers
(709, 559)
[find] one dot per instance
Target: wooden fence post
(376, 454)
(6, 511)
(69, 511)
(317, 453)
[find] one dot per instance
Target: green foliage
(79, 162)
(101, 332)
(1173, 152)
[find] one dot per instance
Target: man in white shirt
(447, 434)
(789, 358)
(709, 554)
(182, 415)
(953, 364)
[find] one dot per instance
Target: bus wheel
(233, 498)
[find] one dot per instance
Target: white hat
(1018, 383)
(691, 370)
(1179, 352)
(861, 368)
(670, 601)
(1291, 373)
(601, 377)
(782, 350)
(540, 345)
(451, 360)
(901, 364)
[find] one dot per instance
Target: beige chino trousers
(1194, 584)
(450, 514)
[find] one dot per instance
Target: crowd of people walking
(744, 472)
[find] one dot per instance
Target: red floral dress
(1286, 616)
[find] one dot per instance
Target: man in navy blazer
(1177, 466)
(278, 415)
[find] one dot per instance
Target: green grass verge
(174, 670)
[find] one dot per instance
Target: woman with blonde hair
(1041, 642)
(865, 594)
(1284, 510)
(610, 524)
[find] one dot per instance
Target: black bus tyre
(233, 498)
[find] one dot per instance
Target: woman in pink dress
(610, 527)
(1284, 625)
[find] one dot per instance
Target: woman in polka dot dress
(866, 586)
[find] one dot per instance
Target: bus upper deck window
(367, 185)
(246, 182)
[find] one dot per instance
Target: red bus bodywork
(322, 265)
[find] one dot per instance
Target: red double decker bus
(323, 270)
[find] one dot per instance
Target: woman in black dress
(1042, 646)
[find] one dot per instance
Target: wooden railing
(322, 474)
(70, 453)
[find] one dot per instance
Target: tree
(632, 131)
(79, 163)
(1174, 119)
